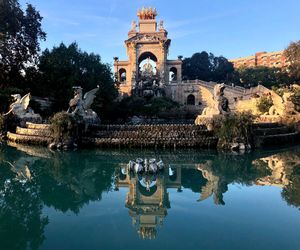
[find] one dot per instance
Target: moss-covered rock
(64, 130)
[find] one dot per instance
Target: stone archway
(173, 74)
(147, 63)
(122, 75)
(191, 100)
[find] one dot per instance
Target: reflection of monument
(148, 199)
(215, 185)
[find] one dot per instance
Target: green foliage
(20, 34)
(278, 90)
(234, 128)
(62, 126)
(5, 98)
(264, 104)
(66, 66)
(2, 125)
(207, 67)
(268, 77)
(138, 106)
(292, 54)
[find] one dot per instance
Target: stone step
(209, 142)
(281, 139)
(266, 125)
(37, 126)
(33, 132)
(152, 134)
(25, 139)
(274, 131)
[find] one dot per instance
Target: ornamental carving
(146, 38)
(147, 13)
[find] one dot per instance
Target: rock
(242, 147)
(52, 145)
(235, 146)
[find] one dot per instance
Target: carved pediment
(145, 38)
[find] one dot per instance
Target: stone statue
(161, 25)
(133, 26)
(282, 105)
(219, 104)
(81, 105)
(20, 109)
(147, 13)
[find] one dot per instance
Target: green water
(203, 200)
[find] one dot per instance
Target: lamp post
(116, 60)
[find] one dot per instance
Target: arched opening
(147, 187)
(122, 75)
(173, 74)
(147, 64)
(191, 100)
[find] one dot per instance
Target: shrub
(234, 128)
(2, 125)
(264, 104)
(138, 106)
(296, 99)
(63, 126)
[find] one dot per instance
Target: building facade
(149, 73)
(267, 59)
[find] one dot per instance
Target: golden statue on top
(147, 13)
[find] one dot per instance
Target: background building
(267, 59)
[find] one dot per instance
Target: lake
(87, 199)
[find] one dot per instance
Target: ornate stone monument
(147, 70)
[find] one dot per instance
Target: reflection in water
(285, 173)
(148, 199)
(21, 220)
(33, 178)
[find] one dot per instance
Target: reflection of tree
(70, 180)
(192, 179)
(291, 193)
(21, 220)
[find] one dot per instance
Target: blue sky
(232, 28)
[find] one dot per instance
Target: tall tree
(205, 66)
(269, 77)
(292, 54)
(66, 66)
(20, 34)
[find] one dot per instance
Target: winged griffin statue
(217, 103)
(20, 108)
(81, 104)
